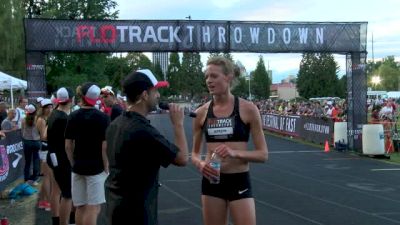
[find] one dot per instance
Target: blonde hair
(228, 67)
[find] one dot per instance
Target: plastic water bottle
(215, 163)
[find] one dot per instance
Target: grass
(395, 157)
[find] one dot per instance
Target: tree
(157, 71)
(192, 75)
(241, 88)
(174, 74)
(74, 69)
(138, 61)
(116, 69)
(66, 69)
(390, 77)
(342, 87)
(317, 75)
(260, 84)
(12, 49)
(389, 71)
(79, 9)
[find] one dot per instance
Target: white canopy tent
(8, 82)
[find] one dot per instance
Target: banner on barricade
(313, 129)
(281, 124)
(11, 158)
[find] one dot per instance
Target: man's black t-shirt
(87, 127)
(3, 115)
(116, 110)
(57, 122)
(135, 150)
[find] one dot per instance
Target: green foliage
(138, 61)
(389, 72)
(342, 87)
(66, 69)
(116, 69)
(158, 72)
(318, 76)
(79, 9)
(12, 49)
(174, 74)
(192, 75)
(390, 77)
(71, 69)
(260, 83)
(242, 87)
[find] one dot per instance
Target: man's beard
(153, 106)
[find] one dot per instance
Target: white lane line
(387, 169)
(324, 200)
(182, 197)
(280, 152)
(335, 159)
(288, 212)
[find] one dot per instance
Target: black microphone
(165, 106)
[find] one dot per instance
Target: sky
(382, 17)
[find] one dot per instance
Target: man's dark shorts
(62, 175)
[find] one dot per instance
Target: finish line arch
(348, 38)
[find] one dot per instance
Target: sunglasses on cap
(107, 91)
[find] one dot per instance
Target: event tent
(8, 82)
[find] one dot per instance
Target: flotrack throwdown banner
(192, 35)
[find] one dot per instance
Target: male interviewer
(136, 150)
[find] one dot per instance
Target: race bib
(220, 128)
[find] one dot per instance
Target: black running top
(225, 129)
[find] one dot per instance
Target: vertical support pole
(36, 74)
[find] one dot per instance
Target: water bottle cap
(213, 155)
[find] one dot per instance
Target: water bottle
(215, 163)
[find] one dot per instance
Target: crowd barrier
(390, 135)
(319, 130)
(373, 139)
(11, 158)
(313, 129)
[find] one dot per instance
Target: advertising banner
(313, 129)
(193, 35)
(11, 158)
(281, 124)
(316, 130)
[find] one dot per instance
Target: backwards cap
(30, 109)
(90, 93)
(63, 95)
(45, 102)
(39, 99)
(140, 81)
(147, 76)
